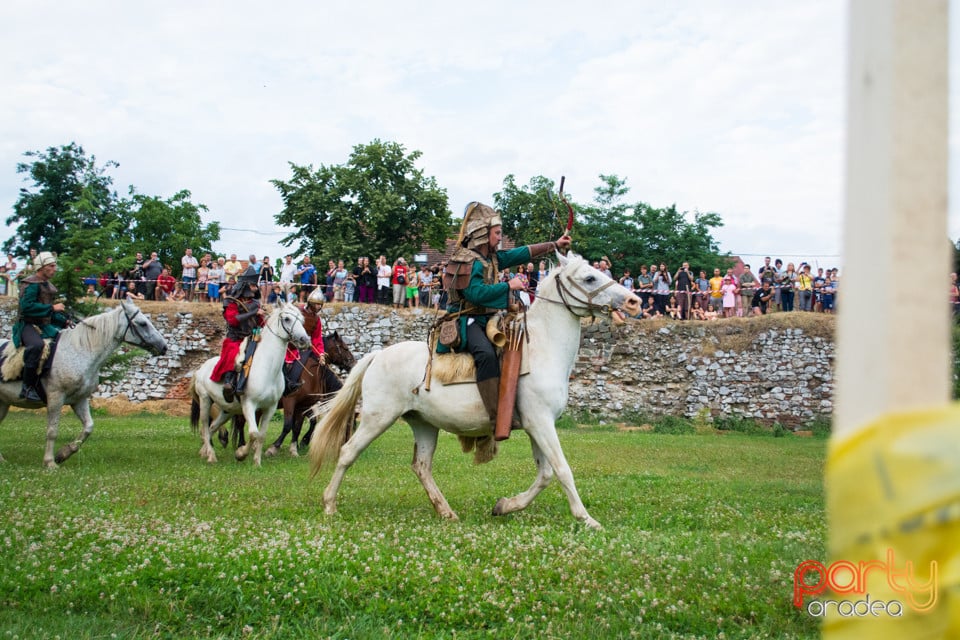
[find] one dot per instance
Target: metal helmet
(43, 259)
(316, 297)
(475, 229)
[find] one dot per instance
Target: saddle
(11, 360)
(248, 346)
(459, 368)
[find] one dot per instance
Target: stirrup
(30, 394)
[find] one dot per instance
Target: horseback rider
(244, 316)
(40, 317)
(296, 361)
(475, 293)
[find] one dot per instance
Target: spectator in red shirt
(165, 284)
(399, 282)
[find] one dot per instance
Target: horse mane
(573, 260)
(94, 332)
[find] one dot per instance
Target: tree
(608, 227)
(630, 234)
(71, 210)
(47, 211)
(167, 227)
(376, 203)
(532, 213)
(88, 239)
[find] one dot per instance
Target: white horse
(75, 372)
(391, 382)
(264, 384)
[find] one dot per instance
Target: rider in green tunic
(471, 281)
(40, 317)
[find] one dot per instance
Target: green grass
(136, 537)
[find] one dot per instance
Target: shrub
(635, 417)
(673, 425)
(820, 426)
(740, 424)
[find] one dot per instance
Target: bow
(569, 207)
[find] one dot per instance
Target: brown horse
(316, 383)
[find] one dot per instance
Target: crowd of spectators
(208, 279)
(685, 294)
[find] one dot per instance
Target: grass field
(135, 537)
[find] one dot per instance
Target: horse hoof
(66, 451)
(593, 524)
(272, 451)
(500, 508)
(294, 453)
(240, 457)
(50, 465)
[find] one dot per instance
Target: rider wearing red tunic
(296, 360)
(243, 314)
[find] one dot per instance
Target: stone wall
(774, 368)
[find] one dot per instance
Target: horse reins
(270, 329)
(588, 303)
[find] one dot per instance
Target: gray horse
(75, 372)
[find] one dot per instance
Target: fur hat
(250, 276)
(244, 290)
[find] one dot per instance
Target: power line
(258, 231)
(786, 253)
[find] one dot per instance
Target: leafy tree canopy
(532, 213)
(167, 226)
(378, 202)
(68, 189)
(629, 233)
(71, 209)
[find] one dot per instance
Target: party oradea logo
(846, 585)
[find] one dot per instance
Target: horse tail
(194, 405)
(330, 434)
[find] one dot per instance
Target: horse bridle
(131, 327)
(289, 334)
(588, 304)
(339, 350)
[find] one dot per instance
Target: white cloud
(736, 108)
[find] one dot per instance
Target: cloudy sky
(734, 107)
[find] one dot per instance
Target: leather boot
(490, 394)
(241, 384)
(291, 385)
(228, 379)
(28, 390)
